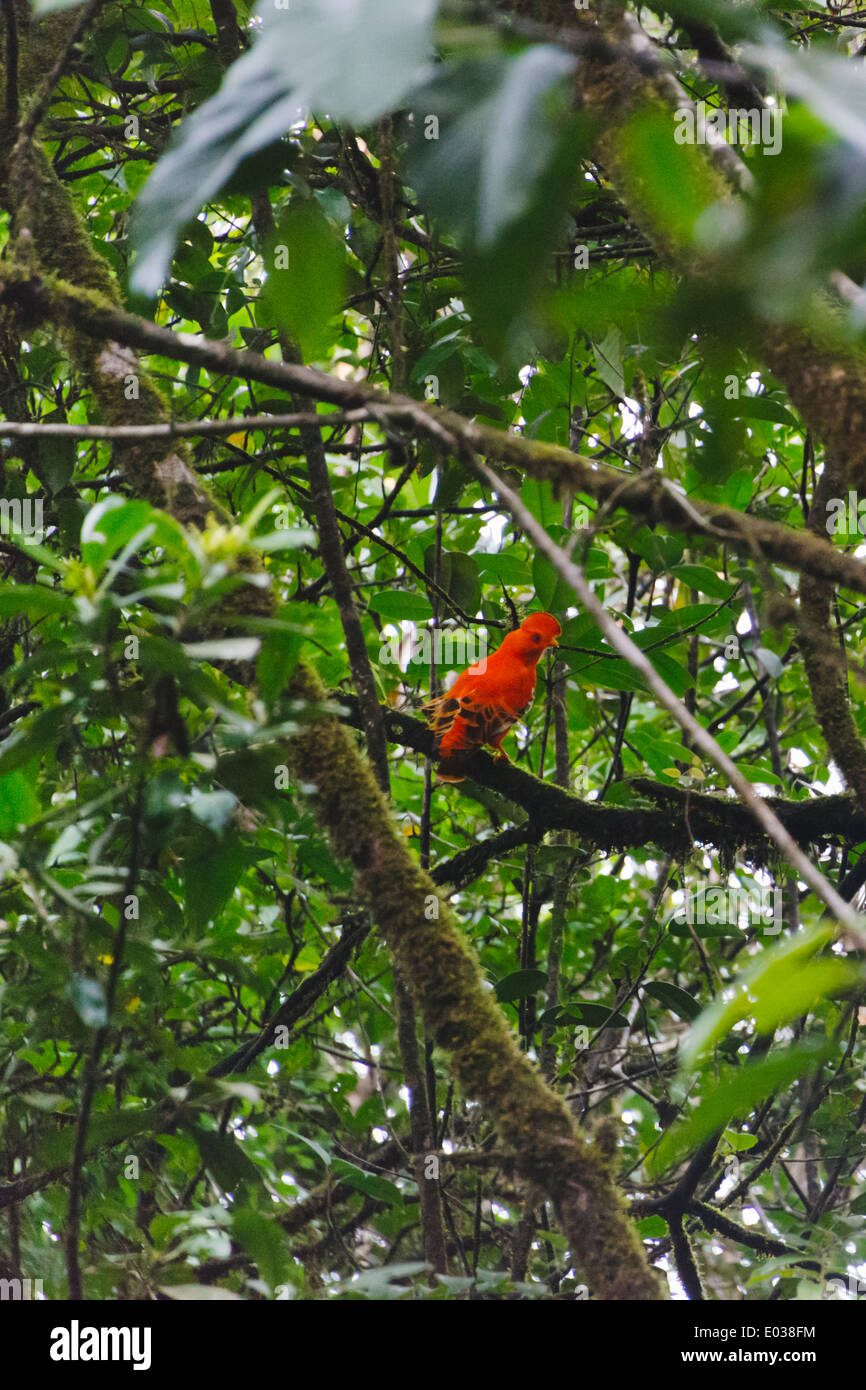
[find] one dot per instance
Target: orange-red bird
(487, 699)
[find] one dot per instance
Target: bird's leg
(496, 744)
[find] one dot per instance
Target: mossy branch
(650, 497)
(689, 817)
(824, 662)
(444, 977)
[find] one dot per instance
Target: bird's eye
(536, 636)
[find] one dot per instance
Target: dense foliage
(483, 229)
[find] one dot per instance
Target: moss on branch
(446, 984)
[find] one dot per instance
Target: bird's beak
(553, 642)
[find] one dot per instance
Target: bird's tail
(451, 769)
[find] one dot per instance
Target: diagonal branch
(573, 574)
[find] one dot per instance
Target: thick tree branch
(649, 496)
(825, 664)
(444, 978)
(689, 817)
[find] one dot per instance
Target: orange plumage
(487, 699)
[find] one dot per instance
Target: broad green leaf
(739, 1142)
(214, 809)
(770, 662)
(56, 461)
(262, 1238)
(738, 1092)
(224, 1157)
(212, 869)
(35, 737)
(707, 581)
(305, 285)
(396, 605)
(519, 984)
(780, 984)
(596, 1015)
(354, 62)
(492, 156)
(679, 1001)
(834, 88)
(608, 360)
(374, 1186)
(19, 803)
(609, 672)
(35, 599)
(504, 567)
(493, 140)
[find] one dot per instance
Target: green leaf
(41, 7)
(770, 662)
(225, 1159)
(596, 1015)
(19, 803)
(379, 1282)
(36, 599)
(458, 576)
(832, 87)
(292, 538)
(114, 522)
(504, 566)
(211, 871)
(679, 1001)
(734, 1094)
(519, 984)
(609, 672)
(740, 1142)
(263, 1240)
(317, 1148)
(355, 62)
(494, 142)
(56, 461)
(277, 660)
(213, 809)
(780, 984)
(374, 1186)
(224, 649)
(396, 605)
(704, 579)
(36, 737)
(608, 360)
(105, 1128)
(552, 591)
(672, 672)
(305, 285)
(761, 408)
(652, 1228)
(760, 773)
(497, 168)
